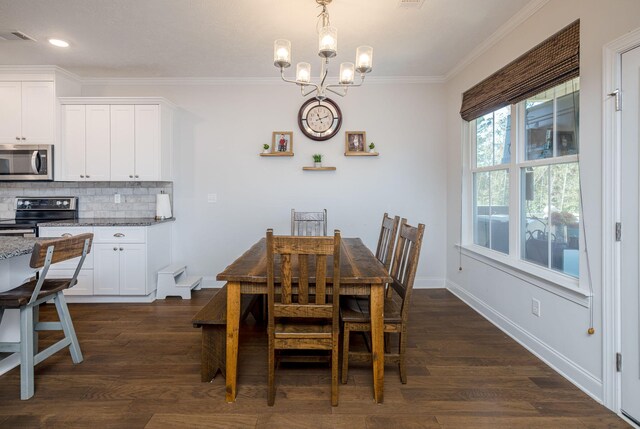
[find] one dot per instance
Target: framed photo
(565, 143)
(355, 143)
(282, 142)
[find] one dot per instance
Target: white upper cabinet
(136, 143)
(27, 112)
(86, 136)
(123, 138)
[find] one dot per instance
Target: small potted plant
(265, 148)
(317, 160)
(372, 147)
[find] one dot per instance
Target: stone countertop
(11, 247)
(141, 221)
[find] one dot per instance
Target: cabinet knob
(118, 234)
(131, 176)
(88, 176)
(17, 138)
(115, 249)
(23, 138)
(121, 249)
(81, 176)
(137, 176)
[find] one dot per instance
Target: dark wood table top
(357, 265)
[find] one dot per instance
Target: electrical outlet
(535, 307)
(212, 198)
(116, 199)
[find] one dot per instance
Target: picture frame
(566, 143)
(355, 143)
(282, 143)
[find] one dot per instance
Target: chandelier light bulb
(282, 53)
(346, 73)
(303, 72)
(364, 59)
(328, 42)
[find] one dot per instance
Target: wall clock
(319, 120)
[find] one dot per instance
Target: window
(543, 164)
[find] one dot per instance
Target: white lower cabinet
(124, 261)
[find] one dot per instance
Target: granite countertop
(11, 247)
(138, 221)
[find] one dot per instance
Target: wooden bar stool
(28, 297)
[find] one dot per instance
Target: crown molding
(39, 70)
(225, 81)
(516, 20)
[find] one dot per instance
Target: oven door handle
(16, 231)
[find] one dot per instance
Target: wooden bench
(212, 318)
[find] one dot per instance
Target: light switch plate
(212, 198)
(116, 199)
(535, 307)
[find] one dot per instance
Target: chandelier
(327, 48)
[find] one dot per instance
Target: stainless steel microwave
(26, 162)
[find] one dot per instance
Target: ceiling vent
(410, 4)
(16, 35)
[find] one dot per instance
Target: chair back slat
(309, 223)
(386, 240)
(321, 279)
(303, 282)
(405, 262)
(307, 251)
(64, 249)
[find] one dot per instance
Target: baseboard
(209, 282)
(564, 366)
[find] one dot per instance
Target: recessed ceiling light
(59, 43)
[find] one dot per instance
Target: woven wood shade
(552, 62)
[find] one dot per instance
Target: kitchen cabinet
(86, 136)
(122, 265)
(140, 139)
(27, 112)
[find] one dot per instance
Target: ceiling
(234, 38)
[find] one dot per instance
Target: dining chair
(387, 239)
(396, 303)
(295, 323)
(309, 223)
(28, 297)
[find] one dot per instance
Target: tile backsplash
(95, 199)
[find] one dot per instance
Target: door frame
(611, 210)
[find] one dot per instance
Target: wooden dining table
(360, 274)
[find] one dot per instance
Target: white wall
(560, 334)
(221, 129)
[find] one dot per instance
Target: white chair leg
(26, 352)
(36, 319)
(67, 327)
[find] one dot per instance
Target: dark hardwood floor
(142, 370)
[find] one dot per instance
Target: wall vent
(15, 35)
(410, 4)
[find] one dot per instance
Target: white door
(133, 269)
(73, 142)
(147, 142)
(98, 143)
(38, 112)
(122, 143)
(106, 269)
(10, 114)
(630, 256)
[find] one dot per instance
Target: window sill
(559, 284)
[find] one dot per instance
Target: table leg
(377, 340)
(233, 327)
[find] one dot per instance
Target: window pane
(564, 218)
(551, 217)
(491, 210)
(499, 221)
(538, 125)
(493, 138)
(535, 208)
(566, 124)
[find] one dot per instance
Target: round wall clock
(319, 120)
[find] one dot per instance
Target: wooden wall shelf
(361, 153)
(318, 168)
(277, 154)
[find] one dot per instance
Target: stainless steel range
(33, 210)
